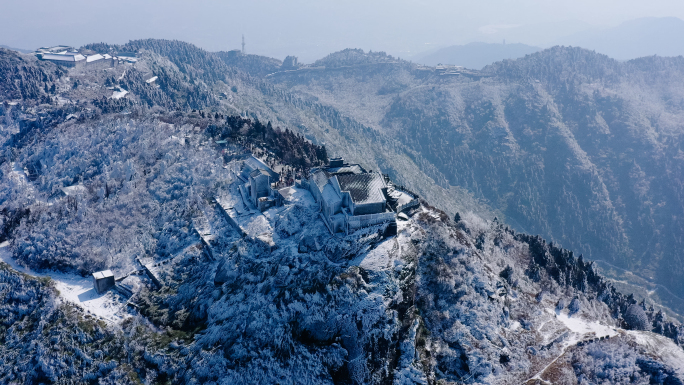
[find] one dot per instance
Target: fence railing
(358, 221)
(413, 203)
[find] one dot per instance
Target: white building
(350, 197)
(69, 59)
(259, 179)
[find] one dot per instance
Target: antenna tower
(243, 44)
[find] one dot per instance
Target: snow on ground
(78, 290)
(662, 347)
(654, 344)
(302, 197)
(254, 225)
(578, 329)
(384, 255)
(18, 176)
(581, 330)
(379, 258)
(582, 327)
(260, 223)
(119, 94)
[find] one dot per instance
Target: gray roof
(363, 188)
(323, 174)
(251, 163)
(93, 58)
(286, 192)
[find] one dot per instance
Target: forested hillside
(252, 64)
(565, 142)
(525, 139)
(111, 171)
(24, 77)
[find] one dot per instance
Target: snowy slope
(109, 306)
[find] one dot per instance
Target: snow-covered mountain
(565, 142)
(210, 290)
(633, 39)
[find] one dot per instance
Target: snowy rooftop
(401, 197)
(103, 274)
(258, 172)
(65, 57)
(286, 192)
(93, 58)
(338, 170)
(345, 169)
(251, 163)
(320, 178)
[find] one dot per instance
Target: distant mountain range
(565, 142)
(476, 55)
(633, 39)
(630, 40)
(16, 49)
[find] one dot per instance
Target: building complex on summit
(350, 197)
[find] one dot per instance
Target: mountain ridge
(476, 55)
(152, 177)
(555, 81)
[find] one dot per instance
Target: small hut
(103, 281)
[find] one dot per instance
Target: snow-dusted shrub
(137, 186)
(607, 363)
(636, 318)
(474, 223)
(574, 306)
(616, 362)
(561, 304)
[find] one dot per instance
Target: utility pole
(243, 44)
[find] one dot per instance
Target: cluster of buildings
(70, 57)
(349, 197)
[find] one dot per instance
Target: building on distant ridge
(69, 59)
(99, 61)
(290, 63)
(234, 53)
(58, 49)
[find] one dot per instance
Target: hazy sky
(311, 29)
